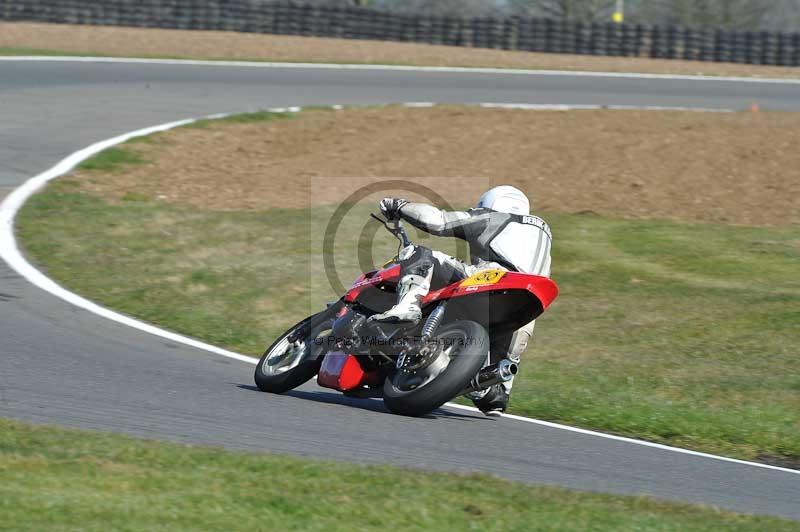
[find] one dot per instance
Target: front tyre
(462, 349)
(286, 365)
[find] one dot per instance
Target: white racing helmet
(505, 198)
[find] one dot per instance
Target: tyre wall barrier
(514, 33)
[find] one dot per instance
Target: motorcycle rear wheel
(469, 343)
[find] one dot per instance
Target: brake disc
(420, 358)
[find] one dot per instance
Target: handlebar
(396, 228)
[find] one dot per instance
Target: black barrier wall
(538, 35)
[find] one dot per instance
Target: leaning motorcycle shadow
(373, 405)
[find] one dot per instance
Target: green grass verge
(118, 158)
(239, 118)
(112, 160)
(680, 333)
(57, 479)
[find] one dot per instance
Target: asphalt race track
(63, 365)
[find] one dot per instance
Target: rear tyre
(285, 365)
(469, 348)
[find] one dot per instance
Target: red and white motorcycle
(415, 369)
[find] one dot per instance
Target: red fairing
(343, 372)
(391, 273)
(544, 288)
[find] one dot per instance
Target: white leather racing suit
(497, 240)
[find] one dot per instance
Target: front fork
(315, 321)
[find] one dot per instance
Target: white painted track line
(10, 252)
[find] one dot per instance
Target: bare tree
(785, 16)
(329, 3)
(452, 8)
(732, 14)
(578, 10)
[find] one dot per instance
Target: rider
(502, 234)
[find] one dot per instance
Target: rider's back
(518, 242)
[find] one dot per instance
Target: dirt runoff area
(139, 42)
(740, 168)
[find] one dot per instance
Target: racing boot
(491, 401)
(410, 291)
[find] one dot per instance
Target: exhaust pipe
(503, 371)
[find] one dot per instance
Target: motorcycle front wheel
(456, 354)
(286, 365)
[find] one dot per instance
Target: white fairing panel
(526, 246)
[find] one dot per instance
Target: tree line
(779, 15)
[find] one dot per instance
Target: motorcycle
(413, 368)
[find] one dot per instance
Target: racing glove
(390, 207)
